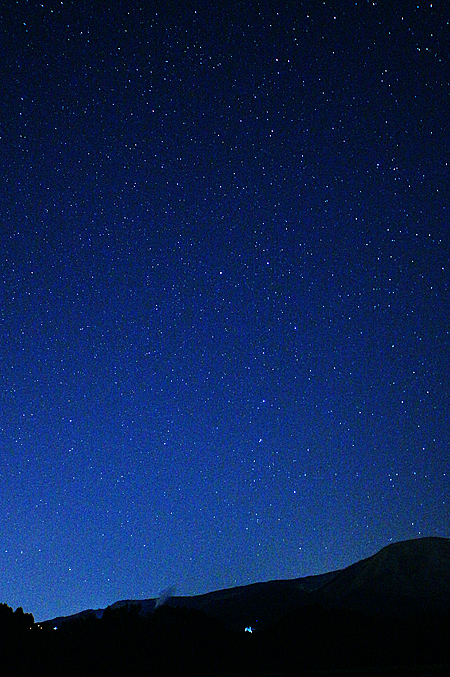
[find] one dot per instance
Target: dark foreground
(312, 641)
(392, 671)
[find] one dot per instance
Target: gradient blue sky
(224, 293)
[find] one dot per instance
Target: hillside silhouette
(390, 612)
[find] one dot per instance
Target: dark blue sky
(224, 293)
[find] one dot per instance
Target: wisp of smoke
(164, 595)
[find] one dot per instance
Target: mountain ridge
(403, 578)
(411, 576)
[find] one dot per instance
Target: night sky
(224, 300)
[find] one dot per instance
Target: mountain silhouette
(403, 579)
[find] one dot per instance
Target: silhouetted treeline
(179, 641)
(16, 630)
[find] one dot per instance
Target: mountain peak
(403, 577)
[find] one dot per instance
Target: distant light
(249, 629)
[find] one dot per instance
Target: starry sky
(224, 292)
